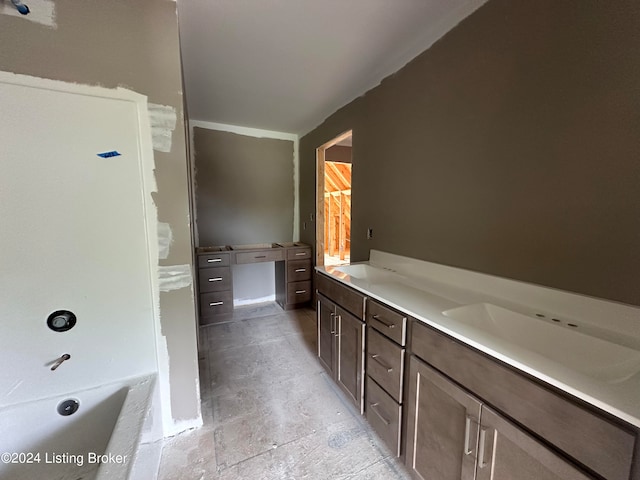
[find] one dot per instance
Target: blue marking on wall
(113, 153)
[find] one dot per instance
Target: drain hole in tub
(68, 407)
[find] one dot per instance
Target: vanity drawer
(384, 415)
(274, 255)
(216, 303)
(298, 253)
(386, 321)
(213, 260)
(299, 292)
(344, 296)
(385, 363)
(593, 440)
(298, 270)
(214, 279)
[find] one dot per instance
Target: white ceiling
(286, 65)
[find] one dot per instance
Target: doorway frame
(320, 159)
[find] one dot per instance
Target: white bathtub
(97, 442)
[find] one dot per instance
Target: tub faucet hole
(61, 320)
(68, 407)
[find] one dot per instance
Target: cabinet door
(442, 426)
(350, 353)
(506, 452)
(326, 332)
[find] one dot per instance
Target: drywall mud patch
(174, 277)
(165, 238)
(163, 123)
(40, 11)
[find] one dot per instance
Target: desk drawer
(298, 270)
(386, 321)
(213, 260)
(299, 292)
(214, 279)
(260, 256)
(298, 253)
(385, 363)
(216, 303)
(384, 415)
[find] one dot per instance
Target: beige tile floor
(270, 411)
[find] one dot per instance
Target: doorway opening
(333, 204)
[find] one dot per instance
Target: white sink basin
(362, 272)
(592, 356)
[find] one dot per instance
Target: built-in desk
(215, 283)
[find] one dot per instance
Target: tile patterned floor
(270, 411)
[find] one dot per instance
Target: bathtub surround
(509, 147)
(113, 44)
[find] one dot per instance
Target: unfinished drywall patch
(163, 122)
(174, 277)
(165, 238)
(40, 11)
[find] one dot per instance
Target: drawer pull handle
(467, 435)
(298, 270)
(333, 328)
(260, 256)
(300, 253)
(384, 322)
(481, 445)
(374, 407)
(381, 363)
(213, 260)
(217, 279)
(215, 304)
(298, 292)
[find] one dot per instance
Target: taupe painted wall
(510, 147)
(244, 188)
(133, 45)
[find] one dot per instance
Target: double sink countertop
(587, 347)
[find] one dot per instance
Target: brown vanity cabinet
(340, 347)
(451, 434)
(466, 408)
(341, 341)
(215, 285)
(293, 277)
(386, 339)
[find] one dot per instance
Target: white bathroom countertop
(410, 286)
